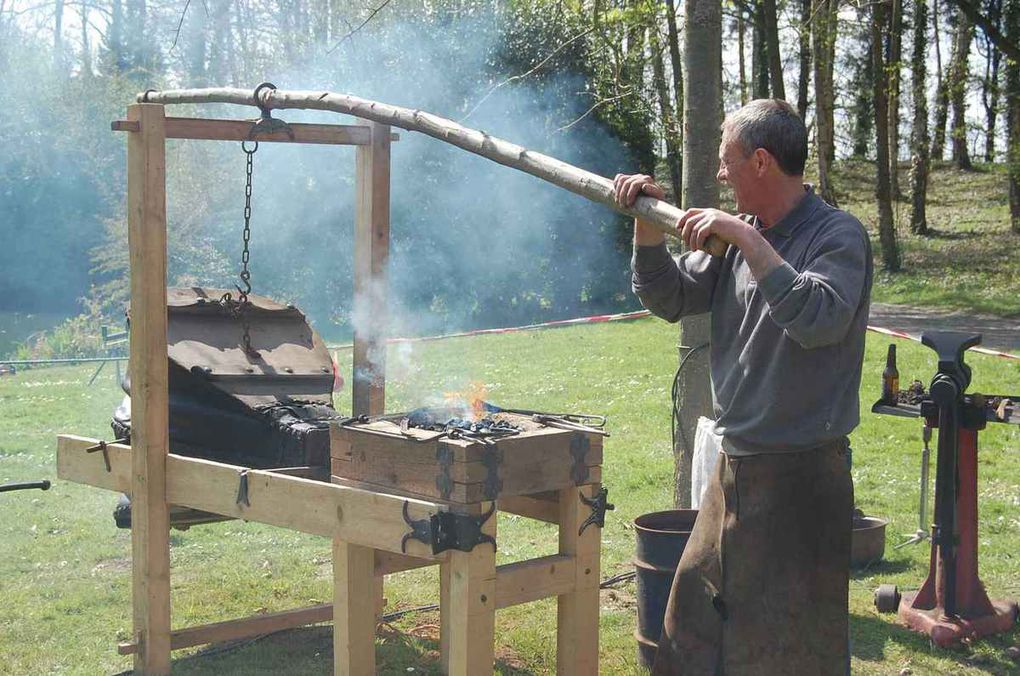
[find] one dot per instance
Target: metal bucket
(661, 537)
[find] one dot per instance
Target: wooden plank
(150, 532)
(470, 623)
(232, 630)
(74, 464)
(577, 612)
(387, 563)
(534, 579)
(371, 254)
(531, 507)
(238, 130)
(362, 516)
(353, 616)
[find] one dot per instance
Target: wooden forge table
(368, 524)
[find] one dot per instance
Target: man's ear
(762, 160)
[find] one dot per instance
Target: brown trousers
(762, 586)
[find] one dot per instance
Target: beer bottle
(890, 378)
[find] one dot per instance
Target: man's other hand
(627, 188)
(696, 225)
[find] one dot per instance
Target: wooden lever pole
(661, 215)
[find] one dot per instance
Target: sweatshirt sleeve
(670, 287)
(816, 305)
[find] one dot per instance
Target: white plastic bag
(707, 446)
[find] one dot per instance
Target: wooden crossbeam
(354, 515)
(233, 630)
(238, 130)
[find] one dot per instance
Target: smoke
(473, 243)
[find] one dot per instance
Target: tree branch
(1001, 42)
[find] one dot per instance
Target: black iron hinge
(448, 530)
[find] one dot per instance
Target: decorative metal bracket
(492, 458)
(599, 506)
(580, 444)
(242, 489)
(448, 530)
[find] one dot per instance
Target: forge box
(387, 454)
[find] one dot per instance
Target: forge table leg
(577, 628)
(353, 609)
(444, 616)
(469, 626)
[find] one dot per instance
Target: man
(762, 585)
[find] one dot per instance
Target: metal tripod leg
(922, 530)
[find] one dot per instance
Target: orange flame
(471, 399)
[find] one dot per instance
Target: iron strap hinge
(580, 444)
(448, 530)
(599, 506)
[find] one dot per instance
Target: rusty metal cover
(205, 339)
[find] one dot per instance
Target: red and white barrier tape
(625, 316)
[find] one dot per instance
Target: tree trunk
(883, 192)
(759, 53)
(1012, 12)
(677, 67)
(864, 101)
(938, 142)
(919, 132)
(702, 113)
(959, 72)
(86, 50)
(990, 89)
(58, 37)
(775, 59)
(803, 82)
(823, 32)
(670, 134)
(894, 67)
(742, 68)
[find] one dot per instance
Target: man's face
(737, 170)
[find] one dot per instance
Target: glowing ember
(471, 401)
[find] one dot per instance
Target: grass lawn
(65, 570)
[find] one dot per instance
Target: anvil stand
(951, 604)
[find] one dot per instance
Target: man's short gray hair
(771, 124)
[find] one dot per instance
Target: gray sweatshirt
(786, 351)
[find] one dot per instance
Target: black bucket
(661, 537)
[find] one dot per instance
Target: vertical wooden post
(150, 522)
(444, 616)
(577, 628)
(356, 593)
(371, 253)
(353, 610)
(468, 629)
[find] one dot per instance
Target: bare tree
(990, 84)
(768, 9)
(741, 67)
(919, 132)
(883, 188)
(677, 68)
(670, 130)
(959, 70)
(702, 110)
(823, 37)
(894, 66)
(759, 52)
(803, 81)
(1012, 21)
(938, 141)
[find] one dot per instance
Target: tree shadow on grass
(872, 635)
(309, 650)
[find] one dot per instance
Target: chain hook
(267, 124)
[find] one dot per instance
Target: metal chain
(243, 304)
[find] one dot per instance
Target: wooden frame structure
(366, 527)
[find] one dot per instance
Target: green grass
(65, 570)
(969, 261)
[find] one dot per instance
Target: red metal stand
(976, 615)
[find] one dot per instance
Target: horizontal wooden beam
(387, 563)
(534, 579)
(355, 515)
(232, 630)
(238, 130)
(540, 506)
